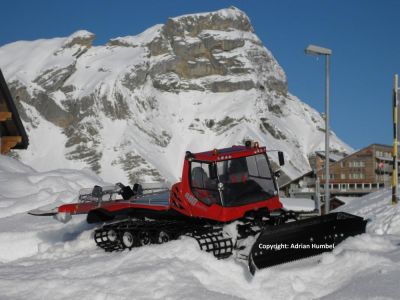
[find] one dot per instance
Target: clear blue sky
(364, 36)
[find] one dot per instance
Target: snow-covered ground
(41, 258)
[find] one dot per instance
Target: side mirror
(281, 158)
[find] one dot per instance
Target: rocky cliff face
(130, 109)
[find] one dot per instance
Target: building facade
(361, 172)
(12, 131)
(357, 174)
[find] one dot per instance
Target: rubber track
(210, 238)
(214, 242)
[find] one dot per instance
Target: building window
(356, 176)
(357, 164)
(331, 176)
(342, 176)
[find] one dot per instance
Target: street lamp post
(316, 50)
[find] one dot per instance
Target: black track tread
(214, 241)
(174, 229)
(210, 238)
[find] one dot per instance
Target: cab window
(203, 187)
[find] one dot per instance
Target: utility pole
(395, 141)
(327, 131)
(317, 50)
(317, 193)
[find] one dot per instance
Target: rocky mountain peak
(81, 38)
(224, 19)
(216, 51)
(131, 108)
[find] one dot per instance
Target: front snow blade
(291, 241)
(43, 213)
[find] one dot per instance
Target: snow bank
(23, 189)
(384, 217)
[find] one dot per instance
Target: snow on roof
(298, 204)
(332, 156)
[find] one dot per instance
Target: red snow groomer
(218, 187)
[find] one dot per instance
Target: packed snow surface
(41, 258)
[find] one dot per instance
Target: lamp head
(317, 50)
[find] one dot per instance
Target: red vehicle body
(184, 198)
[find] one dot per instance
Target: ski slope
(41, 258)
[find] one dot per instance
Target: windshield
(244, 180)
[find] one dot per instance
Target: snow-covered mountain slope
(41, 258)
(131, 108)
